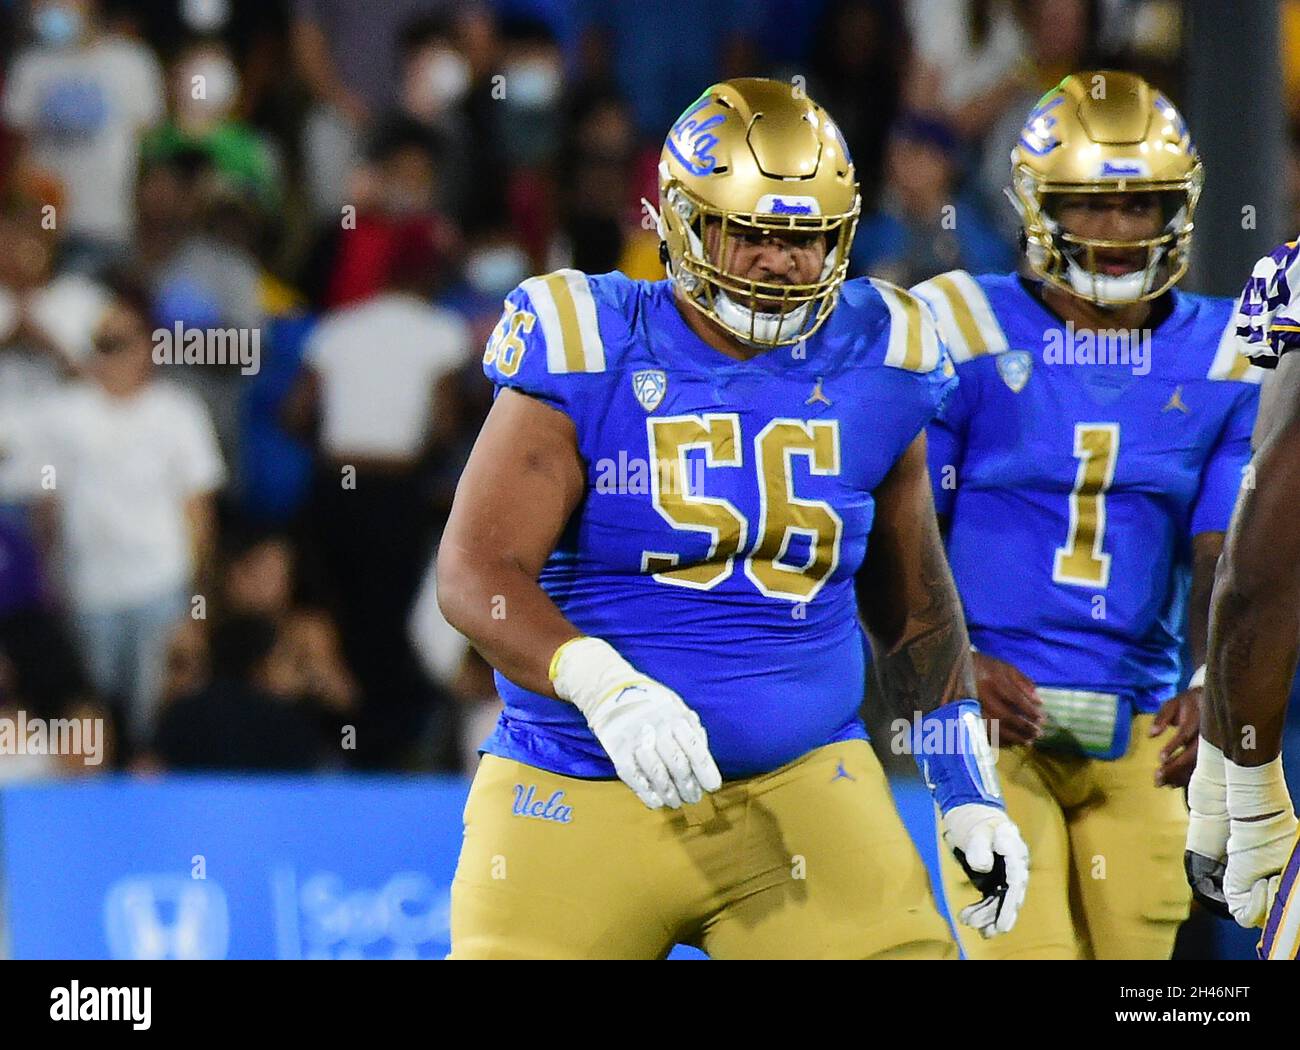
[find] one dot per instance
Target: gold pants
(1105, 856)
(809, 861)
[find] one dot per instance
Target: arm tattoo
(930, 664)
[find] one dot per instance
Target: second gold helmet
(1105, 132)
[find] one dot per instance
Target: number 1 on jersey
(1082, 562)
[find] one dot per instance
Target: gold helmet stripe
(913, 337)
(567, 313)
(966, 321)
(1229, 362)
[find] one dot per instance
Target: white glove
(1207, 829)
(988, 845)
(1262, 826)
(657, 744)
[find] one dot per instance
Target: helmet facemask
(800, 309)
(1069, 260)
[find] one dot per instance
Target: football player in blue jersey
(1086, 468)
(1245, 856)
(685, 493)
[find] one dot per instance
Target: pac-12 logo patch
(1014, 367)
(649, 385)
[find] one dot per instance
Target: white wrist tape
(587, 670)
(1207, 798)
(1256, 791)
(1262, 827)
(1197, 681)
(1210, 762)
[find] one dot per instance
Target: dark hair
(127, 288)
(420, 32)
(926, 129)
(524, 30)
(242, 537)
(401, 134)
(240, 644)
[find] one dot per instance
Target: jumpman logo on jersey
(818, 395)
(1176, 401)
(841, 773)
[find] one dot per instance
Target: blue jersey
(727, 507)
(1075, 467)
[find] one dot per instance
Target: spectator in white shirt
(378, 390)
(378, 387)
(80, 98)
(968, 61)
(124, 468)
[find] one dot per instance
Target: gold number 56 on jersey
(506, 346)
(782, 516)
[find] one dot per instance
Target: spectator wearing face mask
(530, 118)
(345, 52)
(213, 281)
(256, 36)
(444, 101)
(80, 99)
(494, 262)
(122, 468)
(533, 92)
(205, 90)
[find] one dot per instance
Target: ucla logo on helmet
(1172, 115)
(691, 141)
(649, 386)
(1014, 367)
(1038, 137)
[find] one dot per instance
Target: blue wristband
(954, 756)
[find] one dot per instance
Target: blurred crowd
(231, 562)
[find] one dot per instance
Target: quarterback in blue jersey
(684, 497)
(1086, 468)
(1243, 854)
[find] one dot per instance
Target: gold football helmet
(753, 154)
(1105, 132)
